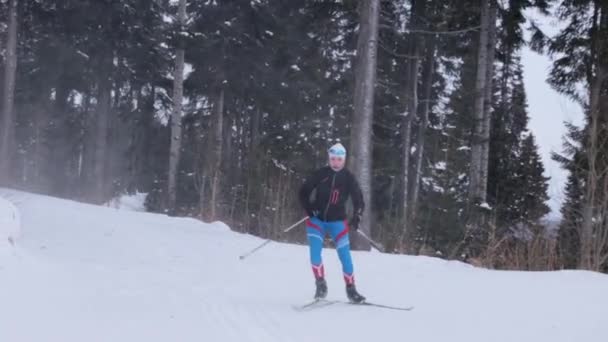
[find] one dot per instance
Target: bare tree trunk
(253, 176)
(41, 151)
(7, 121)
(119, 135)
(600, 248)
(275, 204)
(411, 110)
(86, 148)
(592, 193)
(428, 72)
(406, 133)
(475, 193)
(361, 132)
(176, 115)
(205, 172)
(506, 76)
(102, 118)
(60, 183)
(586, 230)
(475, 237)
(231, 161)
(135, 141)
(487, 113)
(255, 132)
(202, 196)
(218, 142)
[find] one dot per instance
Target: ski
(390, 307)
(320, 303)
(315, 304)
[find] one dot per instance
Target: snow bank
(10, 223)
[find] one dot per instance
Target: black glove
(355, 220)
(312, 212)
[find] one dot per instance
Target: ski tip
(390, 307)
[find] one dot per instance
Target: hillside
(81, 272)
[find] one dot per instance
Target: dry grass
(536, 253)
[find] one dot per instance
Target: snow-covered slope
(87, 273)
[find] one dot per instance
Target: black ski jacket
(333, 188)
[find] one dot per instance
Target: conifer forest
(219, 109)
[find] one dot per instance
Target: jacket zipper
(331, 190)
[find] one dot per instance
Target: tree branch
(443, 32)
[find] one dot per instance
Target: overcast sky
(548, 111)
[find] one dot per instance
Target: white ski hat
(337, 151)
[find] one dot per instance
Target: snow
(134, 202)
(93, 273)
(338, 38)
(441, 166)
(167, 18)
(83, 54)
(10, 223)
(429, 181)
(188, 69)
(485, 205)
(77, 97)
(279, 165)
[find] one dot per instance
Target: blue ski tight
(338, 230)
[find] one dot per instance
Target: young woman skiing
(333, 186)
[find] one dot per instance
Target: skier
(334, 184)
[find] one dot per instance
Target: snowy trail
(89, 273)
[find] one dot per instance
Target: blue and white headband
(337, 151)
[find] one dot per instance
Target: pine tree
(581, 58)
(507, 155)
(572, 159)
(533, 196)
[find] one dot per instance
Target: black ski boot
(353, 295)
(321, 291)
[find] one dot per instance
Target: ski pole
(269, 240)
(372, 242)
